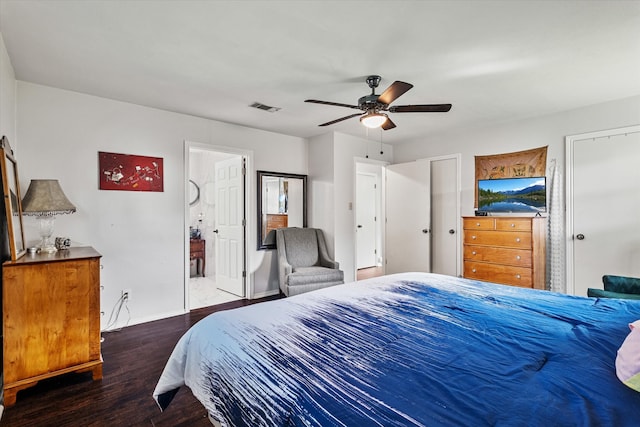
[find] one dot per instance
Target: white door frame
(457, 157)
(250, 231)
(381, 228)
(570, 142)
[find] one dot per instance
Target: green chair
(617, 287)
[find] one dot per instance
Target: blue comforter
(410, 350)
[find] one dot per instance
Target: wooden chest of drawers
(51, 317)
(506, 250)
(197, 252)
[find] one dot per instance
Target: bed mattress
(410, 349)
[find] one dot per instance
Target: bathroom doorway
(216, 248)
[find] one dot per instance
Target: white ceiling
(495, 61)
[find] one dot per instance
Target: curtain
(556, 275)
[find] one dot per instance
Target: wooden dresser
(197, 252)
(275, 221)
(51, 317)
(506, 250)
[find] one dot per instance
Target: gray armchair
(303, 261)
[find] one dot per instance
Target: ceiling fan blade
(393, 92)
(426, 108)
(340, 119)
(388, 124)
(337, 104)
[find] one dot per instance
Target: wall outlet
(126, 294)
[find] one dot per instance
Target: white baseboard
(266, 294)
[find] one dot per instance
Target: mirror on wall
(282, 202)
(194, 193)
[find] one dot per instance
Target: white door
(230, 229)
(366, 220)
(445, 216)
(407, 238)
(605, 209)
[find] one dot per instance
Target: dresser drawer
(506, 275)
(513, 224)
(516, 239)
(478, 223)
(506, 256)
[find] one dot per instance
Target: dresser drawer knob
(477, 224)
(518, 257)
(473, 253)
(513, 225)
(473, 237)
(473, 270)
(518, 239)
(517, 276)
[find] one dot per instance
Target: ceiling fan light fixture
(373, 120)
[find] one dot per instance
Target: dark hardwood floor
(133, 361)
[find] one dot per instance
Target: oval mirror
(194, 193)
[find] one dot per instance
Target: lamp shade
(373, 120)
(45, 197)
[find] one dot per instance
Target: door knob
(425, 230)
(452, 231)
(215, 231)
(580, 237)
(359, 226)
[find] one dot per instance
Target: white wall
(332, 166)
(7, 97)
(140, 234)
(521, 135)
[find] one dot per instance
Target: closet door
(604, 208)
(407, 235)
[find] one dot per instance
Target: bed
(410, 349)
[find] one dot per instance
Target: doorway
(215, 231)
(603, 226)
(437, 182)
(423, 234)
(368, 217)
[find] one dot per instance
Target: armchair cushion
(621, 284)
(301, 246)
(307, 275)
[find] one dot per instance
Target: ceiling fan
(375, 106)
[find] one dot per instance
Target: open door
(366, 220)
(407, 236)
(230, 225)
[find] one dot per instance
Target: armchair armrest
(323, 253)
(600, 293)
(621, 284)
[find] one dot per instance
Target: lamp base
(49, 249)
(46, 230)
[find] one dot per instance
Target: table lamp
(45, 199)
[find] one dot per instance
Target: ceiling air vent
(260, 106)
